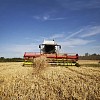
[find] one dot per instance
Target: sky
(24, 24)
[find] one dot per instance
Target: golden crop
(48, 83)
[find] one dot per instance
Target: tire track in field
(94, 77)
(79, 76)
(94, 70)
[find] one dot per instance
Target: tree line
(2, 59)
(90, 57)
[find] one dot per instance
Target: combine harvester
(50, 50)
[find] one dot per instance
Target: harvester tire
(77, 65)
(23, 65)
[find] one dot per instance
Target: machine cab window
(49, 47)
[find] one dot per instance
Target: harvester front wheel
(77, 65)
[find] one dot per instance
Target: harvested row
(86, 72)
(91, 69)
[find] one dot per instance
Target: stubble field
(50, 83)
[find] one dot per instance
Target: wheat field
(49, 83)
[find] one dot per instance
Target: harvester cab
(49, 47)
(50, 50)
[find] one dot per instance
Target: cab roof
(49, 42)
